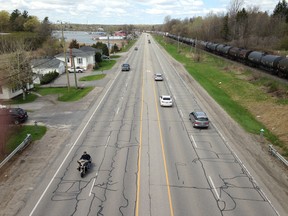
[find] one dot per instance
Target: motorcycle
(84, 166)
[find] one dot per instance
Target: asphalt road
(147, 159)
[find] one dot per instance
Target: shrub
(47, 78)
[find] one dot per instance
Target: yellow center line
(163, 153)
(140, 148)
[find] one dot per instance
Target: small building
(82, 57)
(44, 66)
(120, 33)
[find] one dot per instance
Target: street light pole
(65, 57)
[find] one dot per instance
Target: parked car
(13, 115)
(166, 100)
(199, 119)
(78, 70)
(125, 67)
(104, 57)
(158, 77)
(136, 48)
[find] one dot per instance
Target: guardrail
(25, 142)
(276, 154)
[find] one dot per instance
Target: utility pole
(73, 63)
(65, 57)
(178, 44)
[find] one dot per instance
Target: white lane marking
(194, 142)
(84, 128)
(213, 187)
(181, 113)
(90, 193)
(107, 141)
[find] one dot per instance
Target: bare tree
(235, 6)
(19, 74)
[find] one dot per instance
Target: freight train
(276, 65)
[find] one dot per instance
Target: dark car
(199, 119)
(13, 115)
(125, 67)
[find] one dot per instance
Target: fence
(276, 154)
(26, 141)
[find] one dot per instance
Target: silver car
(199, 119)
(158, 77)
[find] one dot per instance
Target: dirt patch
(273, 116)
(21, 175)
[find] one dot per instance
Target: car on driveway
(166, 100)
(199, 119)
(78, 70)
(125, 67)
(158, 77)
(13, 115)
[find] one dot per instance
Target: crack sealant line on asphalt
(245, 169)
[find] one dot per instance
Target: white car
(78, 70)
(158, 77)
(166, 100)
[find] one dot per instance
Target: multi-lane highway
(147, 159)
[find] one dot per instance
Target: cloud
(123, 11)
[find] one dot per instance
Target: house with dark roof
(44, 66)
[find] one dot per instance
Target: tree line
(240, 26)
(23, 28)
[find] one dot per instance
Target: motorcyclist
(85, 156)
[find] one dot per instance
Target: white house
(91, 51)
(43, 66)
(81, 59)
(6, 92)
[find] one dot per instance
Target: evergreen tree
(281, 10)
(74, 44)
(225, 29)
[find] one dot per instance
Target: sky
(125, 11)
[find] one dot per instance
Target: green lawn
(64, 95)
(92, 77)
(19, 133)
